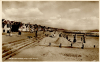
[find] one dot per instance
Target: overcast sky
(62, 14)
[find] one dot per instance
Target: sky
(71, 15)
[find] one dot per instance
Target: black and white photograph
(50, 31)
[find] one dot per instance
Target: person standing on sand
(74, 38)
(19, 33)
(60, 34)
(67, 37)
(81, 38)
(43, 29)
(36, 33)
(36, 29)
(84, 38)
(8, 33)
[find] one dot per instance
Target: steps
(10, 49)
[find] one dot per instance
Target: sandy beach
(42, 51)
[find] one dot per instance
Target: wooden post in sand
(82, 46)
(49, 44)
(60, 45)
(71, 44)
(94, 46)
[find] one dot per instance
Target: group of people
(74, 38)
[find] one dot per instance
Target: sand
(43, 52)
